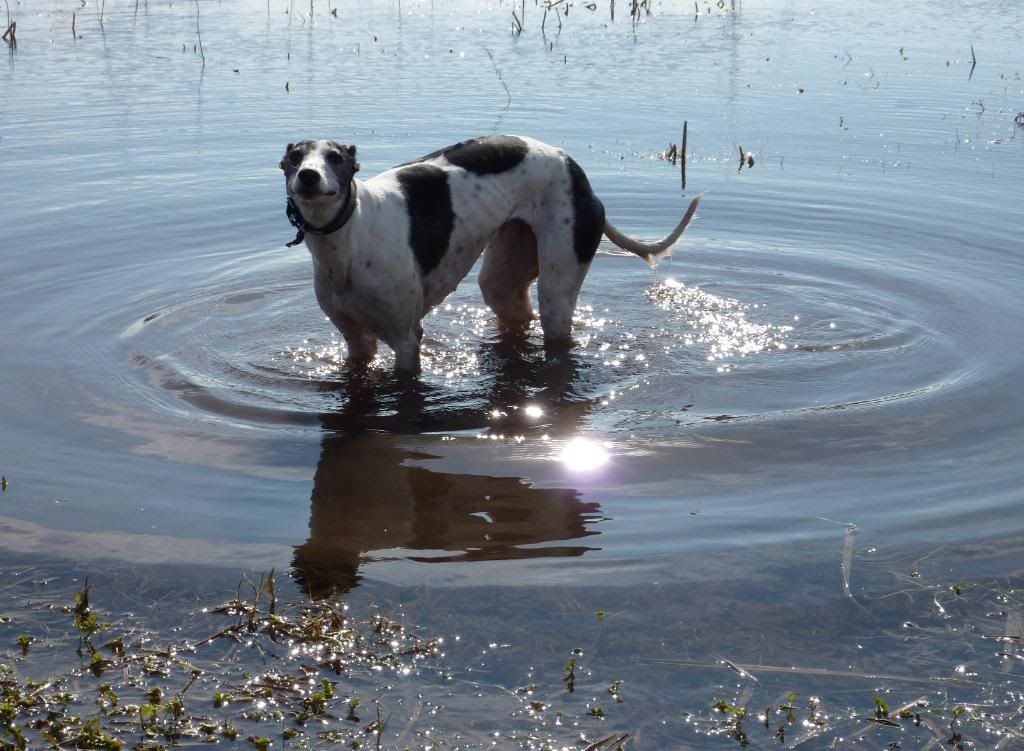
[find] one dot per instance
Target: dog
(389, 249)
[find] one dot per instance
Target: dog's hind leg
(407, 354)
(508, 271)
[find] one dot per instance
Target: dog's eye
(295, 158)
(334, 157)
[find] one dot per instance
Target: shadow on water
(369, 496)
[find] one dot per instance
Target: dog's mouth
(312, 194)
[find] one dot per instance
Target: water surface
(835, 343)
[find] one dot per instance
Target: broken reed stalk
(199, 35)
(498, 71)
(682, 155)
(11, 35)
(74, 34)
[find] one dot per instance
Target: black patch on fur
(293, 156)
(428, 200)
(588, 214)
(490, 155)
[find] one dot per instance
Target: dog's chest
(366, 287)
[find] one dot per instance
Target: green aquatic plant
(613, 689)
(352, 704)
(569, 679)
(881, 708)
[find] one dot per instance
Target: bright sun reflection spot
(583, 455)
(533, 411)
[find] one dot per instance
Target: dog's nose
(309, 177)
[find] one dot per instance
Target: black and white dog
(387, 250)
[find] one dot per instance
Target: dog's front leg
(405, 333)
(362, 344)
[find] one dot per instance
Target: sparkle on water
(583, 455)
(719, 323)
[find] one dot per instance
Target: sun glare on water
(583, 455)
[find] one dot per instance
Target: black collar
(339, 221)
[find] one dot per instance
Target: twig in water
(500, 77)
(797, 670)
(847, 564)
(847, 567)
(610, 743)
(518, 28)
(974, 61)
(74, 33)
(11, 35)
(1014, 632)
(739, 670)
(200, 36)
(682, 155)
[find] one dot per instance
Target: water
(835, 343)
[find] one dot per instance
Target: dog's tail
(652, 252)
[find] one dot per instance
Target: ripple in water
(718, 323)
(811, 337)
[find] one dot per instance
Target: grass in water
(252, 671)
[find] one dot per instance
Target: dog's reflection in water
(372, 493)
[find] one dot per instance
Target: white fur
(366, 275)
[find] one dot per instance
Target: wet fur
(417, 229)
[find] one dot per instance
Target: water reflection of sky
(834, 338)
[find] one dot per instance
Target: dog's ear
(287, 150)
(349, 151)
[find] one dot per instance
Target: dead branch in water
(682, 155)
(500, 77)
(11, 35)
(199, 35)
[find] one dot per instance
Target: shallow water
(835, 342)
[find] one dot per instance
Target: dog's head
(318, 171)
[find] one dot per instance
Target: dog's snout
(309, 177)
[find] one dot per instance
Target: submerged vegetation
(296, 675)
(976, 703)
(265, 671)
